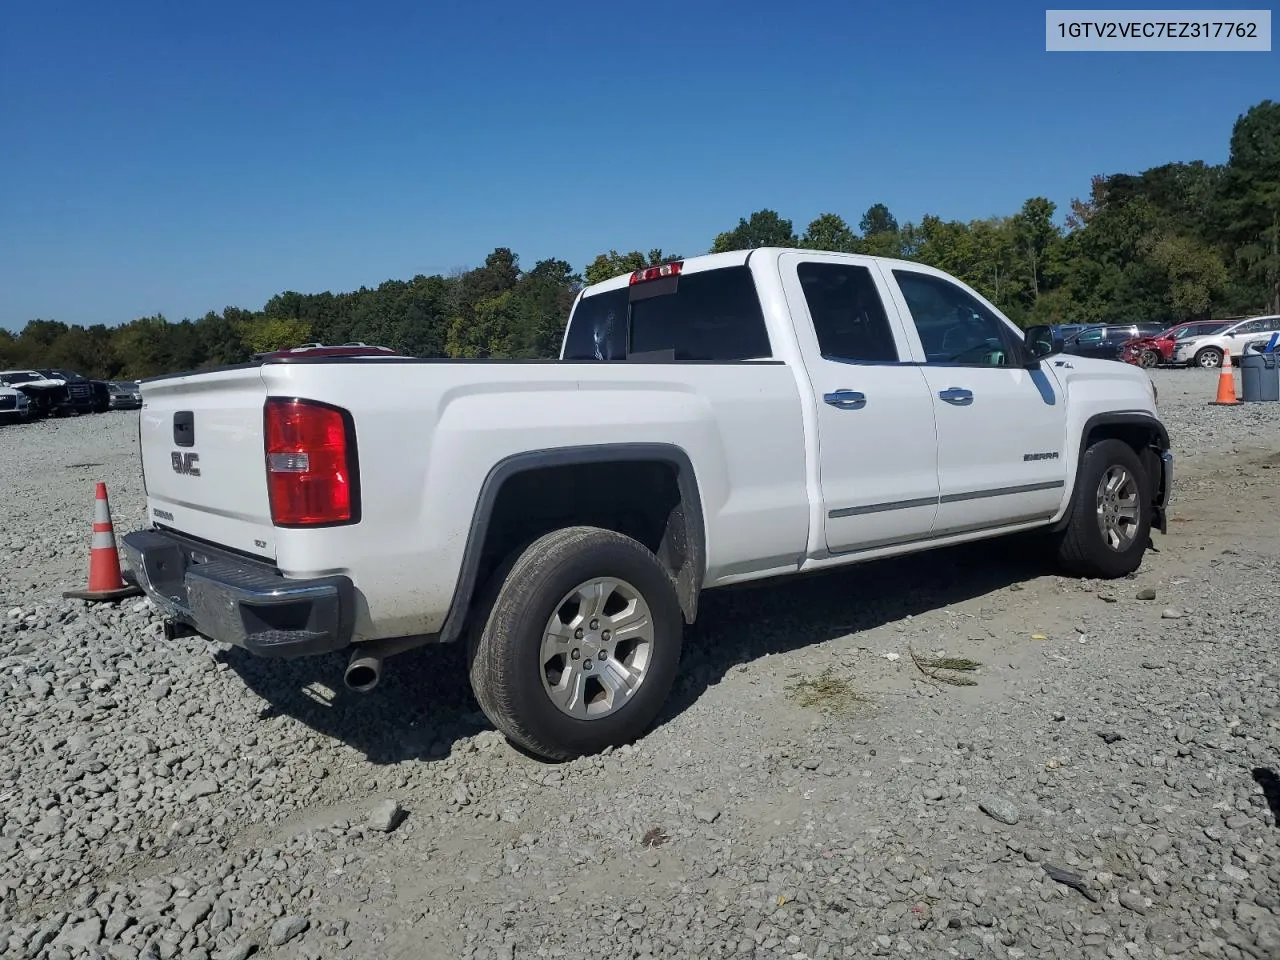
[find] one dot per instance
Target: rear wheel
(579, 644)
(1110, 520)
(1209, 358)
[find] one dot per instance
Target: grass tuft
(946, 669)
(825, 692)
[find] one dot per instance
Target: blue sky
(177, 158)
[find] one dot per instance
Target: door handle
(846, 399)
(957, 396)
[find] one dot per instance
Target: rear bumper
(241, 602)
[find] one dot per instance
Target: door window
(848, 315)
(954, 327)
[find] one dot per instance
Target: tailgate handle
(184, 428)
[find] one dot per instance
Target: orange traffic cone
(105, 581)
(1226, 384)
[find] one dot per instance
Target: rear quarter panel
(429, 433)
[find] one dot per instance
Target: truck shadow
(1269, 783)
(423, 705)
(737, 626)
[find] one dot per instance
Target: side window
(1256, 326)
(711, 315)
(848, 315)
(1090, 338)
(598, 327)
(954, 327)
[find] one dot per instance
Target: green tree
(1035, 233)
(1193, 274)
(764, 229)
(882, 237)
(143, 346)
(219, 335)
(1252, 198)
(877, 220)
(8, 349)
(541, 304)
(489, 333)
(262, 334)
(828, 231)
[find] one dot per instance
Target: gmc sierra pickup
(721, 419)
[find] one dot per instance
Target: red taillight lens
(310, 464)
(657, 273)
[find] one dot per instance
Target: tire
(1082, 548)
(520, 683)
(1149, 358)
(1210, 358)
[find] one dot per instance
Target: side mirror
(1037, 345)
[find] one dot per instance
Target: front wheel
(1110, 520)
(1149, 358)
(1210, 358)
(580, 644)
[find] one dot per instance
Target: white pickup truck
(727, 418)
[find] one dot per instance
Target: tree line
(1185, 240)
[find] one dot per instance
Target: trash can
(1259, 376)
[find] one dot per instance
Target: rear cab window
(709, 316)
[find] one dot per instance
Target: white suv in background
(14, 405)
(1208, 351)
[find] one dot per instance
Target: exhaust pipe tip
(175, 629)
(363, 673)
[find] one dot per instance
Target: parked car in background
(1208, 351)
(1153, 351)
(353, 349)
(124, 395)
(101, 395)
(14, 404)
(77, 396)
(45, 394)
(1105, 341)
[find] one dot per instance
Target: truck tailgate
(203, 459)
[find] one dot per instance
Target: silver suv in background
(1208, 351)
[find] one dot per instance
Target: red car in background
(354, 349)
(1153, 351)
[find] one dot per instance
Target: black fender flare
(688, 581)
(1160, 483)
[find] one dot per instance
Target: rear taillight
(657, 273)
(311, 463)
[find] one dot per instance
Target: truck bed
(428, 435)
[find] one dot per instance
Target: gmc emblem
(185, 463)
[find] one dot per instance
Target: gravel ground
(1107, 786)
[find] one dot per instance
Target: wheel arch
(683, 539)
(1149, 439)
